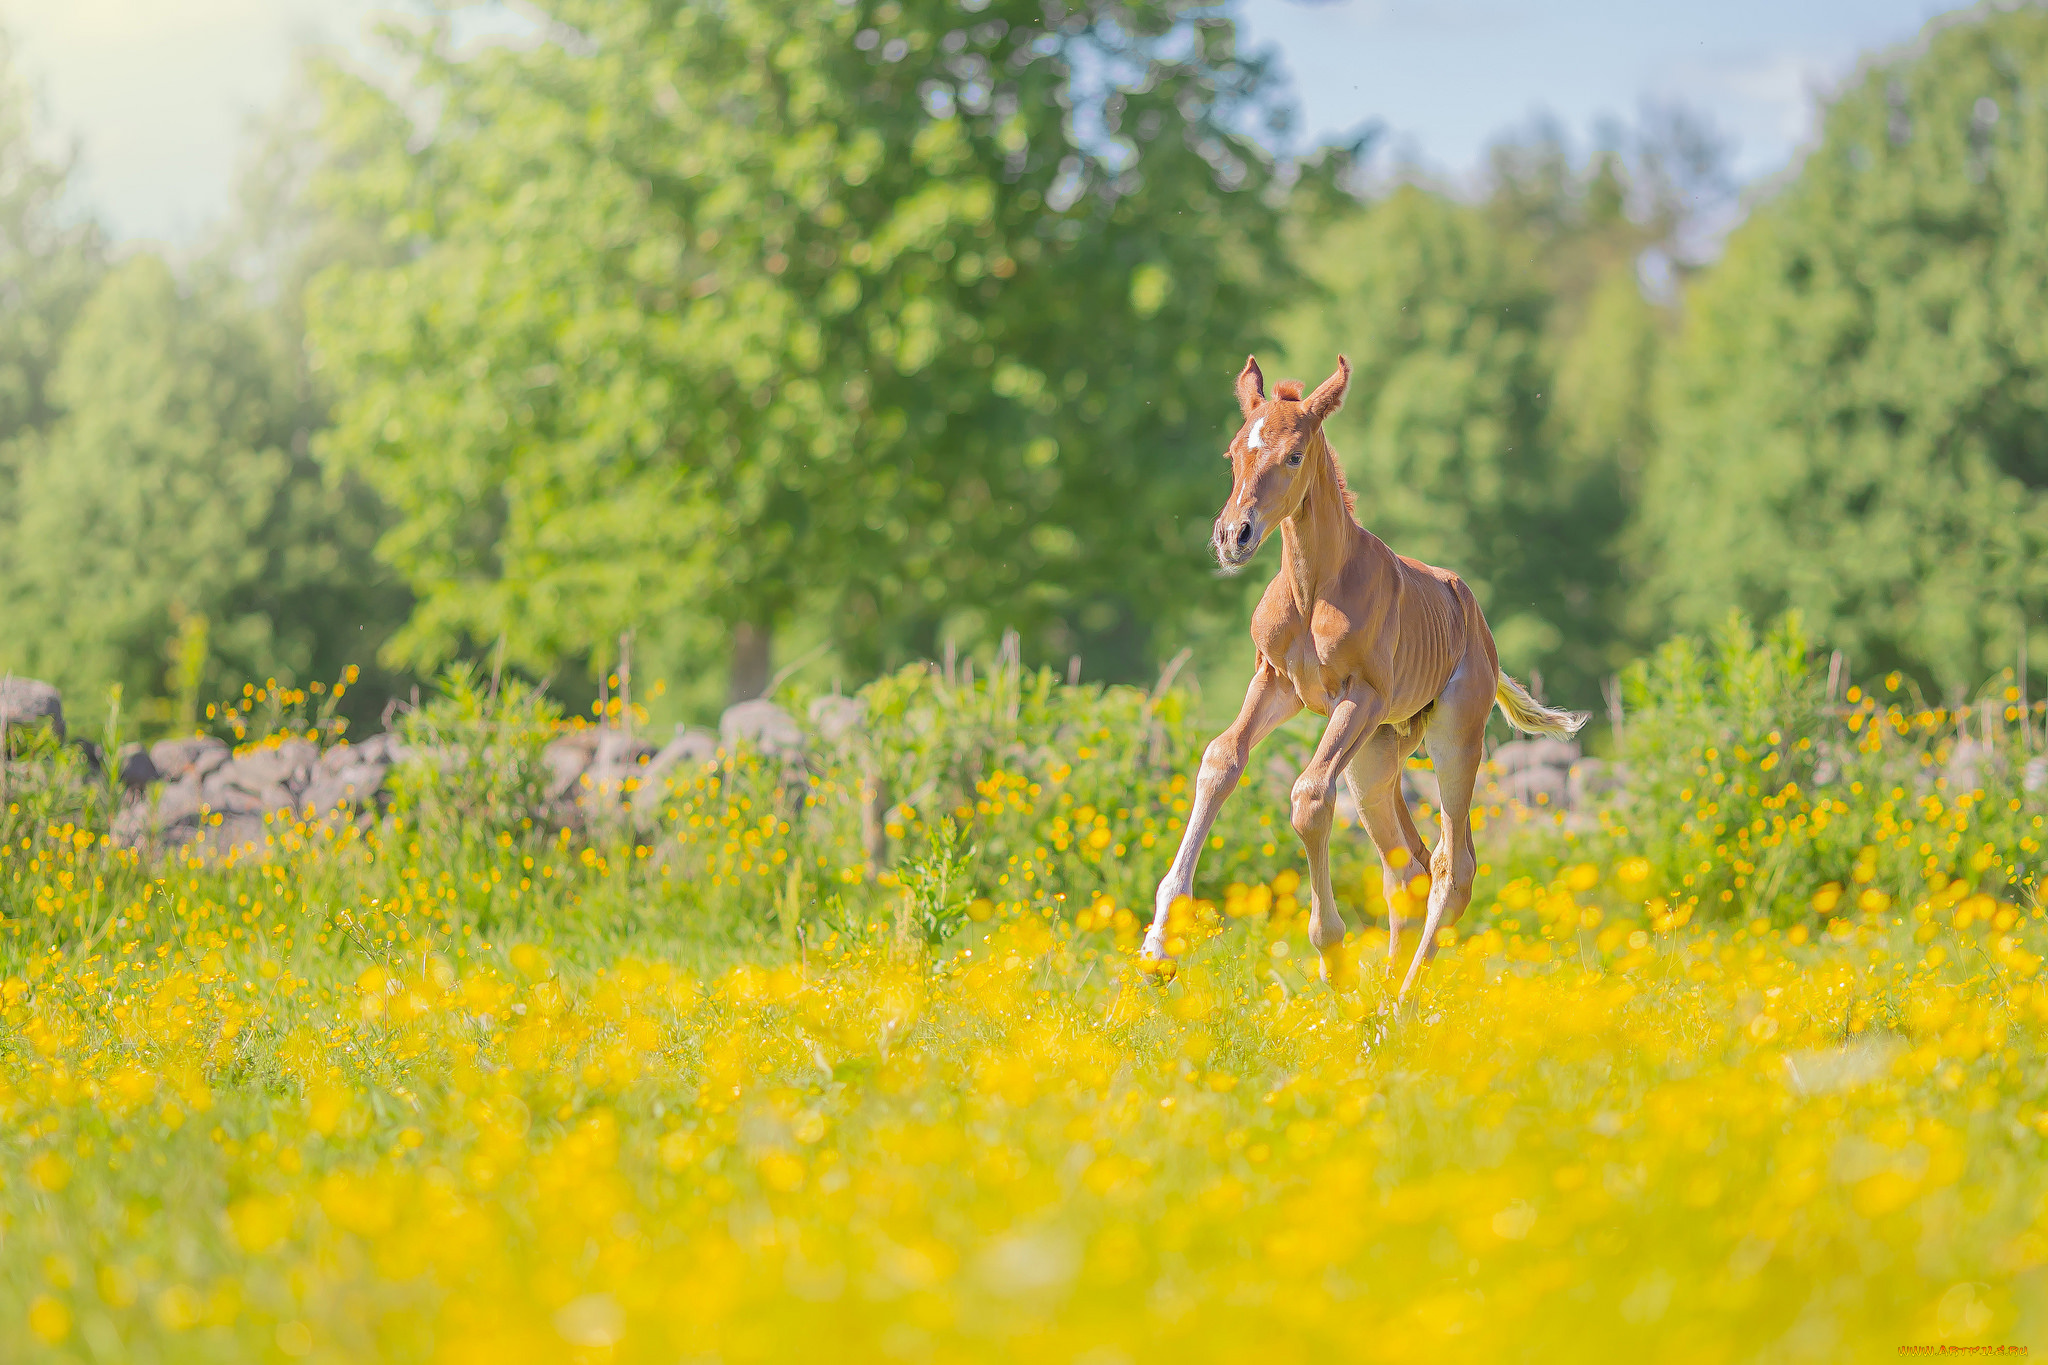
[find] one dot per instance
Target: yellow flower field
(1601, 1133)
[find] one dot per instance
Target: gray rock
(214, 804)
(358, 787)
(1537, 785)
(230, 834)
(616, 762)
(763, 726)
(243, 794)
(834, 718)
(202, 754)
(25, 702)
(171, 821)
(136, 769)
(1419, 787)
(387, 749)
(288, 765)
(689, 750)
(567, 759)
(1541, 752)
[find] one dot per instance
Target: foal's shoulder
(1275, 619)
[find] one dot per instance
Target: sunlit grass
(306, 1128)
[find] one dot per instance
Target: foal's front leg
(1269, 703)
(1352, 720)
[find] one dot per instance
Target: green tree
(50, 260)
(1855, 421)
(173, 515)
(896, 319)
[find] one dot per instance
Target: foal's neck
(1319, 536)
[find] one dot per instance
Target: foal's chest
(1319, 672)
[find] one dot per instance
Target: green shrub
(1751, 791)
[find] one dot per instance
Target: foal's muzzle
(1236, 540)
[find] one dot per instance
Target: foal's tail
(1531, 716)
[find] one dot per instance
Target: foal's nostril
(1244, 535)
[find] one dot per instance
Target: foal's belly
(1319, 687)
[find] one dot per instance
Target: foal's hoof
(1153, 959)
(1337, 972)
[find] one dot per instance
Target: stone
(1537, 785)
(288, 765)
(1539, 752)
(202, 754)
(834, 718)
(358, 786)
(387, 749)
(567, 759)
(690, 749)
(217, 804)
(615, 762)
(1419, 787)
(763, 726)
(170, 821)
(25, 702)
(136, 769)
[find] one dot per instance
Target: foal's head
(1269, 460)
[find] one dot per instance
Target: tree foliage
(50, 260)
(175, 504)
(1855, 422)
(904, 317)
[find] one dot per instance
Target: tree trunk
(750, 644)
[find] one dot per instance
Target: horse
(1394, 651)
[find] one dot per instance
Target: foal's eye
(1294, 460)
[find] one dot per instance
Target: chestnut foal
(1391, 650)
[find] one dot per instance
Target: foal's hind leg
(1456, 734)
(1375, 777)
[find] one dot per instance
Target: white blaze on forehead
(1257, 427)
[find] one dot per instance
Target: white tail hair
(1531, 716)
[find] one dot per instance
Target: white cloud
(1768, 102)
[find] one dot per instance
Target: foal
(1391, 650)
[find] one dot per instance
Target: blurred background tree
(873, 324)
(1855, 421)
(820, 336)
(50, 262)
(171, 532)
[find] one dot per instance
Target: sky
(160, 94)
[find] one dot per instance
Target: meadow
(1750, 1073)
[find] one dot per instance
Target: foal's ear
(1329, 395)
(1251, 387)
